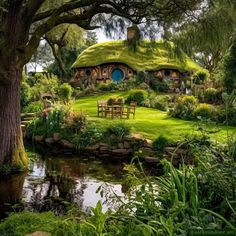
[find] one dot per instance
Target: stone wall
(123, 150)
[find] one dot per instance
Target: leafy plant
(160, 143)
(65, 92)
(137, 96)
(160, 103)
(25, 98)
(204, 110)
(88, 136)
(119, 130)
(200, 76)
(211, 95)
(34, 107)
(184, 107)
(158, 85)
(75, 122)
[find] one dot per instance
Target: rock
(105, 156)
(152, 159)
(121, 152)
(174, 150)
(39, 233)
(146, 152)
(92, 148)
(56, 137)
(120, 145)
(39, 139)
(103, 144)
(49, 141)
(137, 137)
(104, 149)
(127, 145)
(147, 143)
(66, 144)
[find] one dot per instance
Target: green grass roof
(148, 57)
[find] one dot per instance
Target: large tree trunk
(11, 142)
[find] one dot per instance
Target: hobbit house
(114, 61)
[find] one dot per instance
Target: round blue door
(117, 75)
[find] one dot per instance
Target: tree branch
(31, 8)
(69, 6)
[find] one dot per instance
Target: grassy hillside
(148, 122)
(149, 56)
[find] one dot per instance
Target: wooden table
(115, 110)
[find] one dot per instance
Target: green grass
(148, 122)
(148, 57)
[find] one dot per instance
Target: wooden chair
(101, 107)
(132, 109)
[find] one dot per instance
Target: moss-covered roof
(147, 57)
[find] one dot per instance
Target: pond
(55, 183)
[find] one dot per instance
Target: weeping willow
(209, 36)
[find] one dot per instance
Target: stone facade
(89, 76)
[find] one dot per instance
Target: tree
(229, 68)
(90, 38)
(62, 39)
(42, 57)
(208, 38)
(24, 22)
(69, 53)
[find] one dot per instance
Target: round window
(167, 73)
(117, 75)
(88, 72)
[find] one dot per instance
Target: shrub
(89, 136)
(137, 96)
(65, 92)
(45, 84)
(141, 77)
(221, 115)
(204, 110)
(160, 143)
(144, 86)
(48, 123)
(212, 95)
(75, 122)
(127, 85)
(34, 107)
(159, 86)
(147, 102)
(25, 94)
(107, 87)
(90, 91)
(119, 130)
(160, 103)
(200, 76)
(184, 107)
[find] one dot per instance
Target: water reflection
(54, 183)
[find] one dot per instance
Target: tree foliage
(229, 68)
(210, 35)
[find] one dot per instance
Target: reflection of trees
(57, 182)
(11, 189)
(58, 188)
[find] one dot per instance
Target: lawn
(150, 123)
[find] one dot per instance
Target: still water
(55, 183)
